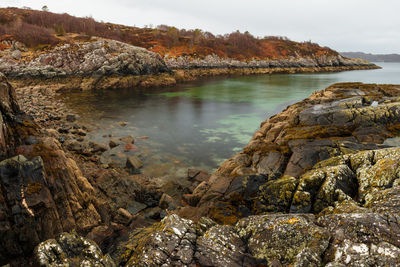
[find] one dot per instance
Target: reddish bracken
(50, 28)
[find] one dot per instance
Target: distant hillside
(41, 29)
(373, 57)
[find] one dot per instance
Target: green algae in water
(235, 126)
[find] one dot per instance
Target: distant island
(373, 57)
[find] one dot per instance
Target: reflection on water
(201, 124)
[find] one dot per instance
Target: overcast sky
(344, 25)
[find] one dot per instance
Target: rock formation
(343, 119)
(214, 61)
(103, 63)
(43, 192)
(96, 58)
(316, 185)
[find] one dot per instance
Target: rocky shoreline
(72, 83)
(317, 185)
(108, 64)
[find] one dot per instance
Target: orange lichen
(293, 221)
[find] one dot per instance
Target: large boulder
(69, 249)
(256, 240)
(284, 239)
(367, 239)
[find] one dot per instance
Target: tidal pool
(199, 125)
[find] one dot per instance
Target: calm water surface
(201, 124)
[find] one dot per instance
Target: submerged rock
(127, 139)
(133, 163)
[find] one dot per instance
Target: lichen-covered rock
(222, 246)
(284, 239)
(178, 242)
(329, 123)
(320, 188)
(367, 239)
(377, 171)
(332, 127)
(277, 195)
(169, 242)
(69, 249)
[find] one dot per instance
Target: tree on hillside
(173, 36)
(59, 29)
(45, 8)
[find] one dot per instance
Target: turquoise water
(201, 124)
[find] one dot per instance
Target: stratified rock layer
(214, 61)
(42, 191)
(8, 118)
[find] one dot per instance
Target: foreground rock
(70, 249)
(315, 186)
(270, 175)
(44, 193)
(368, 239)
